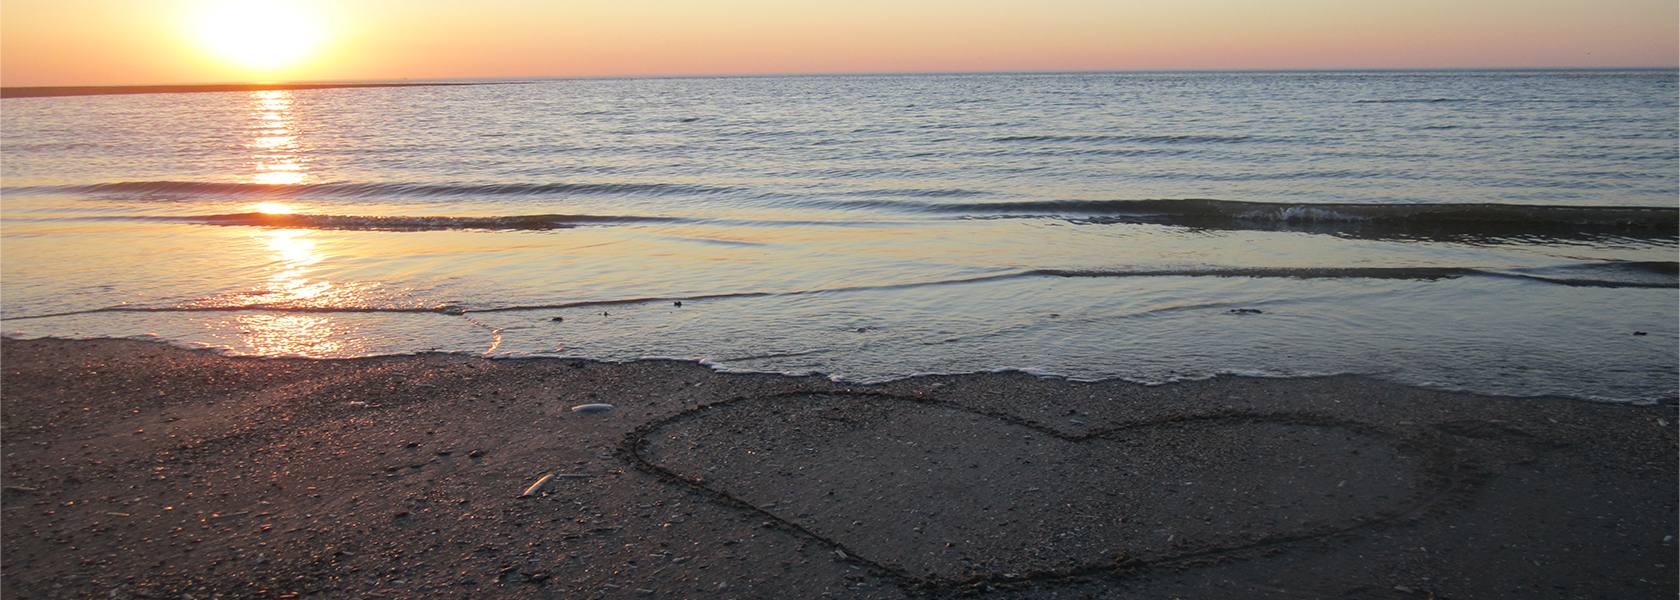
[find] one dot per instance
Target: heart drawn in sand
(943, 495)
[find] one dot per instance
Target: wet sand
(134, 469)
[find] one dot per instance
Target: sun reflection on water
(272, 208)
(277, 159)
(294, 335)
(296, 254)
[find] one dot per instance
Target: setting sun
(259, 35)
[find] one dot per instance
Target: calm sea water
(1500, 232)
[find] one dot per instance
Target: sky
(127, 42)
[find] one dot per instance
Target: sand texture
(134, 469)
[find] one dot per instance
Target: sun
(259, 35)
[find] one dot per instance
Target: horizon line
(724, 75)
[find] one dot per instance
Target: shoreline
(135, 468)
(1669, 399)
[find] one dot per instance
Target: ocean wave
(397, 223)
(1652, 274)
(1417, 273)
(1604, 274)
(920, 192)
(1608, 274)
(401, 223)
(1308, 212)
(1413, 100)
(1135, 139)
(193, 189)
(1422, 221)
(1468, 222)
(441, 309)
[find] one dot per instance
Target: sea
(1510, 233)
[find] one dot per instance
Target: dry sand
(134, 469)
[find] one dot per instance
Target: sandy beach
(134, 469)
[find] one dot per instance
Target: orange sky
(91, 42)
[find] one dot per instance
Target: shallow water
(1500, 232)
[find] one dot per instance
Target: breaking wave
(399, 223)
(195, 189)
(1609, 274)
(1232, 210)
(1356, 220)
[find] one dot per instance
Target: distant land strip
(103, 90)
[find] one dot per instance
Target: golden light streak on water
(272, 208)
(295, 253)
(278, 157)
(289, 335)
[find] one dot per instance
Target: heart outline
(1439, 476)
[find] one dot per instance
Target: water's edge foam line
(721, 368)
(1408, 273)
